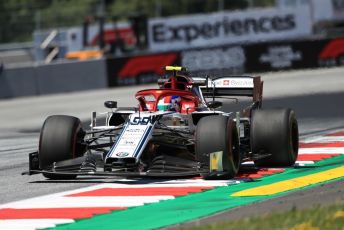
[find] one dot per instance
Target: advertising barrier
(283, 55)
(218, 61)
(294, 55)
(249, 26)
(290, 19)
(139, 69)
(214, 61)
(229, 59)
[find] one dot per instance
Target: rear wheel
(217, 137)
(60, 139)
(275, 132)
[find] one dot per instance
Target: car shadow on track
(102, 180)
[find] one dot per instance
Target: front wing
(162, 167)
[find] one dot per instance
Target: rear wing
(234, 86)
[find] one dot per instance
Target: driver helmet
(169, 103)
(175, 103)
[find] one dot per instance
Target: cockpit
(174, 94)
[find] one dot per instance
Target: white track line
(329, 150)
(84, 202)
(303, 163)
(324, 139)
(60, 199)
(32, 223)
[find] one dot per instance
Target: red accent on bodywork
(158, 94)
(150, 106)
(150, 191)
(187, 107)
(147, 64)
(333, 49)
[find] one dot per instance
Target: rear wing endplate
(234, 86)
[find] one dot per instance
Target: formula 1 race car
(177, 130)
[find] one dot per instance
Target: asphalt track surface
(315, 95)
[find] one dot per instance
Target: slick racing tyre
(217, 137)
(274, 133)
(59, 140)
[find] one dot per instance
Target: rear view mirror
(110, 104)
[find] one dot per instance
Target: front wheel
(217, 147)
(60, 139)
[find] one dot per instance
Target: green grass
(330, 217)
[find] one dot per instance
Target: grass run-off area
(329, 217)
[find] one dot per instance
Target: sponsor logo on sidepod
(122, 154)
(129, 142)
